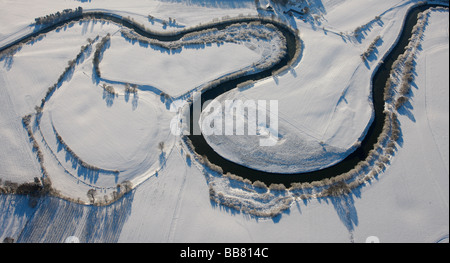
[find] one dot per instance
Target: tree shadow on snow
(365, 29)
(346, 211)
(373, 54)
(109, 98)
(56, 219)
(406, 110)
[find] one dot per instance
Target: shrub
(337, 189)
(357, 31)
(296, 186)
(400, 102)
(9, 52)
(91, 193)
(109, 89)
(233, 176)
(10, 187)
(277, 187)
(127, 185)
(161, 146)
(212, 166)
(9, 240)
(259, 184)
(29, 189)
(130, 88)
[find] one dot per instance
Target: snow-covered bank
(407, 202)
(178, 67)
(71, 139)
(324, 102)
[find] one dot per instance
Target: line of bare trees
(40, 186)
(44, 185)
(370, 48)
(77, 158)
(48, 19)
(99, 48)
(357, 32)
(234, 33)
(26, 120)
(215, 22)
(121, 189)
(58, 16)
(402, 72)
(70, 66)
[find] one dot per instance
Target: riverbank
(260, 163)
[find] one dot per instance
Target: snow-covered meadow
(324, 109)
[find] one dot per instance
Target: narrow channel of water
(200, 144)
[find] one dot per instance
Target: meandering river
(201, 146)
(360, 154)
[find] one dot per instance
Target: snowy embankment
(25, 77)
(92, 132)
(406, 202)
(179, 67)
(324, 102)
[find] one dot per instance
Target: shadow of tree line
(86, 171)
(54, 220)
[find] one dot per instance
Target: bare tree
(161, 146)
(127, 185)
(91, 195)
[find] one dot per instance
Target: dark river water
(201, 146)
(379, 80)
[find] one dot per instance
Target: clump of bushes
(131, 88)
(121, 190)
(38, 187)
(109, 89)
(277, 187)
(400, 101)
(204, 160)
(271, 205)
(338, 189)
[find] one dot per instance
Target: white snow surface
(324, 105)
(179, 71)
(324, 101)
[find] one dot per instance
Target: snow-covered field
(324, 109)
(324, 103)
